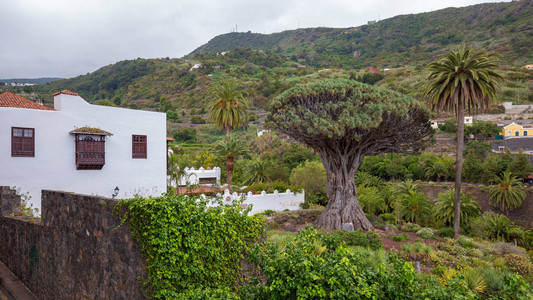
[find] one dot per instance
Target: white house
(82, 148)
(469, 120)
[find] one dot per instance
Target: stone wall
(522, 215)
(75, 252)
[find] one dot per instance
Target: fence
(263, 201)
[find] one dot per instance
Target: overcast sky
(66, 38)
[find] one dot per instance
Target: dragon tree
(344, 121)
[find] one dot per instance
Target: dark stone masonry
(75, 252)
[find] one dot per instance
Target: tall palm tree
(230, 148)
(508, 192)
(228, 108)
(465, 78)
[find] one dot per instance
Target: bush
(311, 268)
(270, 187)
(358, 238)
(197, 120)
(447, 232)
(411, 227)
(519, 264)
(426, 233)
(188, 247)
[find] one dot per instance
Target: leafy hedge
(190, 249)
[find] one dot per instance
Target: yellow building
(514, 129)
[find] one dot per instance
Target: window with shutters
(138, 146)
(22, 142)
(90, 152)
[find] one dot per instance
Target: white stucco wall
(53, 166)
(193, 176)
(261, 202)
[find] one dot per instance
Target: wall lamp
(115, 192)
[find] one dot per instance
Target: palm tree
(463, 79)
(228, 109)
(176, 168)
(230, 148)
(444, 207)
(256, 170)
(508, 192)
(413, 205)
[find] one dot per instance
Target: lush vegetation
(189, 249)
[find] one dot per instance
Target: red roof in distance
(8, 99)
(66, 92)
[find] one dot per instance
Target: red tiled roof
(170, 139)
(66, 92)
(8, 99)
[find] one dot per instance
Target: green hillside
(269, 64)
(506, 28)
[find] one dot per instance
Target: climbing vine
(188, 247)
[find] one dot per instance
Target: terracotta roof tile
(66, 92)
(8, 99)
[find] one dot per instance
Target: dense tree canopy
(343, 121)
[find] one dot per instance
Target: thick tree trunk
(459, 167)
(343, 206)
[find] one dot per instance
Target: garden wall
(522, 215)
(261, 202)
(74, 252)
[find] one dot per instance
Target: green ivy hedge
(190, 249)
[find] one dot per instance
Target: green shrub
(426, 233)
(188, 247)
(519, 264)
(270, 187)
(411, 227)
(447, 232)
(374, 240)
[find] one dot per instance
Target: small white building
(82, 148)
(200, 176)
(469, 120)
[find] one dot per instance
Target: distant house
(516, 130)
(82, 148)
(440, 121)
(529, 67)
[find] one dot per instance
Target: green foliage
(230, 148)
(270, 187)
(483, 129)
(507, 193)
(185, 135)
(189, 248)
(314, 266)
(444, 207)
(370, 78)
(197, 120)
(357, 238)
(449, 126)
(492, 226)
(426, 233)
(520, 166)
(353, 113)
(311, 176)
(228, 109)
(446, 232)
(415, 206)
